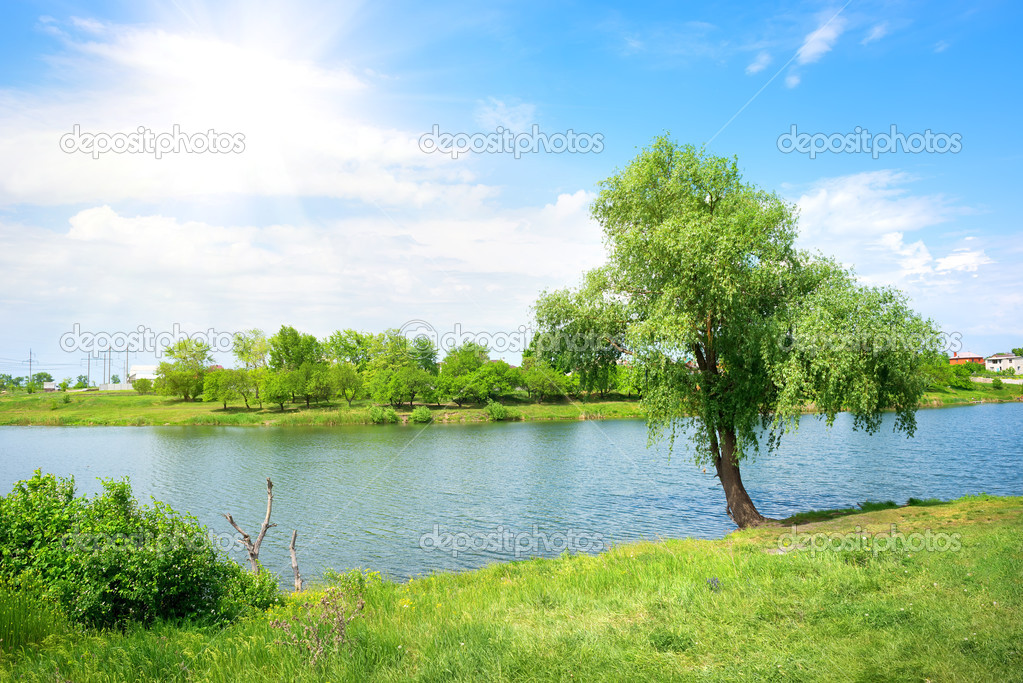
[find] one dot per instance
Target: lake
(408, 500)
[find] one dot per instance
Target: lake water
(410, 500)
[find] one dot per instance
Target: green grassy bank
(751, 606)
(128, 408)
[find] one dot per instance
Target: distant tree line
(387, 368)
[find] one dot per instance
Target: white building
(1000, 362)
(141, 372)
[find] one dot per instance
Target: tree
(65, 384)
(352, 347)
(425, 354)
(185, 375)
(736, 330)
(251, 348)
(275, 388)
(461, 360)
(41, 377)
(143, 385)
(82, 382)
(220, 386)
(115, 379)
(347, 381)
(289, 349)
(1017, 351)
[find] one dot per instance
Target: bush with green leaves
(421, 415)
(379, 415)
(997, 383)
(108, 561)
(496, 411)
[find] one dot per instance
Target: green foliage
(108, 561)
(220, 386)
(251, 348)
(275, 388)
(421, 415)
(1017, 351)
(425, 354)
(997, 384)
(27, 619)
(290, 349)
(347, 381)
(143, 385)
(728, 320)
(543, 381)
(185, 374)
(379, 415)
(496, 411)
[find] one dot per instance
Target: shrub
(997, 383)
(109, 561)
(421, 415)
(143, 385)
(496, 411)
(379, 416)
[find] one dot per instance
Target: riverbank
(124, 408)
(750, 606)
(129, 409)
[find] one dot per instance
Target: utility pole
(30, 366)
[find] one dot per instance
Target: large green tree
(735, 329)
(185, 373)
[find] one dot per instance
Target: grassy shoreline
(737, 608)
(125, 408)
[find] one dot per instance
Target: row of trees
(8, 382)
(388, 368)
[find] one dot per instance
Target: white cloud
(514, 117)
(820, 42)
(877, 32)
(303, 124)
(875, 223)
(110, 268)
(963, 259)
(792, 80)
(759, 64)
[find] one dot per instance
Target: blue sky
(332, 216)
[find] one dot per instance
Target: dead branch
(250, 547)
(294, 561)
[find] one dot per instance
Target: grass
(126, 408)
(26, 620)
(737, 609)
(977, 393)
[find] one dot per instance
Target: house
(49, 386)
(1001, 362)
(141, 372)
(965, 357)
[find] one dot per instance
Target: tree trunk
(740, 507)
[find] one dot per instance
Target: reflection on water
(373, 497)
